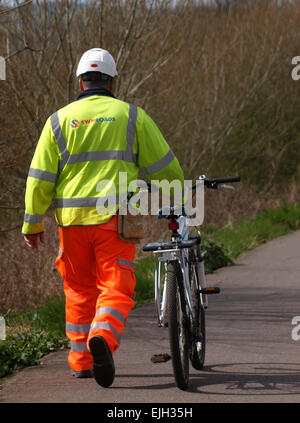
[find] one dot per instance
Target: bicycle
(181, 291)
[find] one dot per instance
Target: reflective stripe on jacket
(86, 142)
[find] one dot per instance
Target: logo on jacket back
(75, 123)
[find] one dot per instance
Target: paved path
(251, 356)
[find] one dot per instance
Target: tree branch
(3, 12)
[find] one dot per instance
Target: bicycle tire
(198, 338)
(178, 325)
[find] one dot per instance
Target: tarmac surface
(252, 355)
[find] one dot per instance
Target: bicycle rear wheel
(198, 345)
(178, 325)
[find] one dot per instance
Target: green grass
(37, 332)
(48, 317)
(144, 273)
(253, 231)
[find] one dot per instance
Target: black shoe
(104, 368)
(83, 374)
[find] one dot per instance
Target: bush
(215, 256)
(25, 349)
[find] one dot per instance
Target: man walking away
(91, 140)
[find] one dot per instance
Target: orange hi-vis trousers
(98, 272)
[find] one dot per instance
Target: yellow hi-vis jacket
(90, 140)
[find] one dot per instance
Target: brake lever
(226, 186)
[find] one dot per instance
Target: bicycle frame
(184, 291)
(182, 255)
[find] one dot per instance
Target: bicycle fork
(202, 281)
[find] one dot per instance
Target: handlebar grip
(226, 179)
(215, 181)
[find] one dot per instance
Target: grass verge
(251, 232)
(33, 334)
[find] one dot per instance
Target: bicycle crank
(211, 290)
(160, 358)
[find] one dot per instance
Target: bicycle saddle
(153, 246)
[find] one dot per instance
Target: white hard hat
(97, 60)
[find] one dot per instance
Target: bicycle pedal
(160, 358)
(210, 290)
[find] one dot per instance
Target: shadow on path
(222, 379)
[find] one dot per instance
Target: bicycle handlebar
(212, 182)
(208, 183)
(223, 180)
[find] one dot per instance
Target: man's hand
(33, 240)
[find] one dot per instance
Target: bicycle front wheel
(178, 325)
